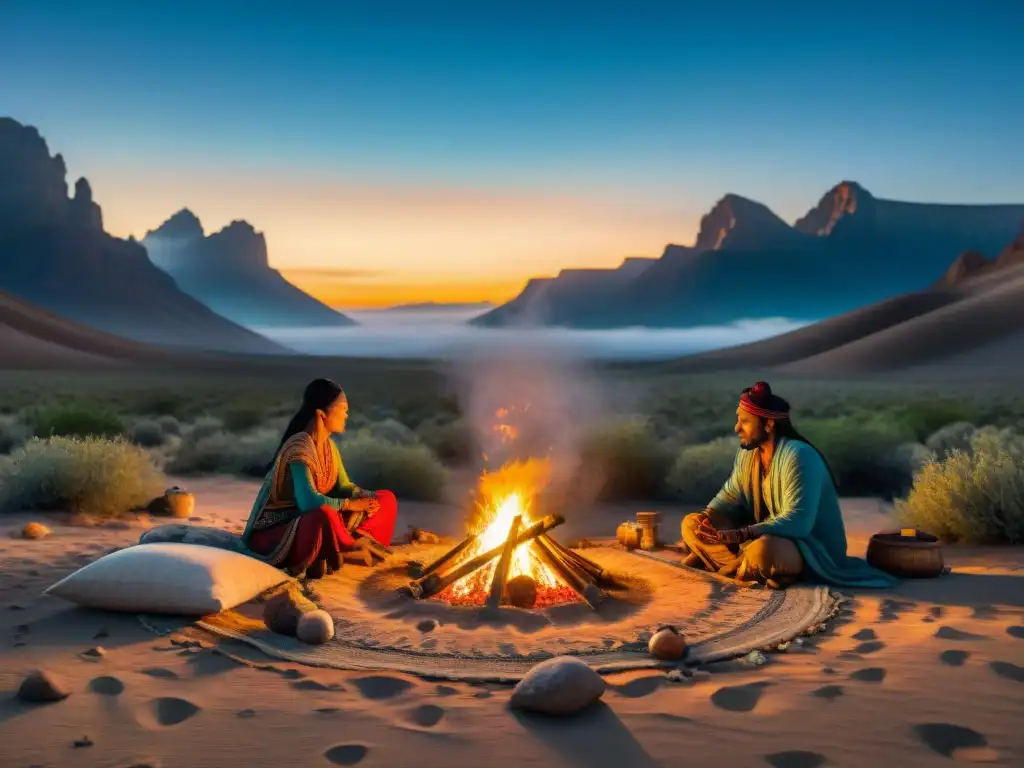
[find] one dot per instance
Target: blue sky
(657, 109)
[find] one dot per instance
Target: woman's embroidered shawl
(275, 503)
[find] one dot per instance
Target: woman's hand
(367, 505)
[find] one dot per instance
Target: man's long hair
(785, 428)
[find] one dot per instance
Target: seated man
(777, 518)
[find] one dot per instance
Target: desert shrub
(239, 417)
(409, 471)
(863, 454)
(700, 471)
(169, 425)
(453, 442)
(246, 454)
(974, 496)
(13, 433)
(624, 460)
(392, 431)
(76, 421)
(926, 417)
(91, 476)
(956, 436)
(204, 426)
(146, 433)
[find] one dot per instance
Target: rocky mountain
(229, 272)
(55, 254)
(971, 321)
(850, 250)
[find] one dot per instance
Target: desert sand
(928, 673)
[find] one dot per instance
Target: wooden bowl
(915, 556)
(180, 503)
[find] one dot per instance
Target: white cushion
(180, 579)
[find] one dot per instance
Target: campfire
(508, 556)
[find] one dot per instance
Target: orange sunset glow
(373, 245)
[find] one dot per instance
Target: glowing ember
(508, 492)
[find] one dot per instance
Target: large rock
(558, 686)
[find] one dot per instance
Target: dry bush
(246, 454)
(452, 441)
(147, 433)
(90, 476)
(700, 471)
(624, 460)
(955, 436)
(13, 433)
(974, 496)
(204, 426)
(169, 425)
(409, 471)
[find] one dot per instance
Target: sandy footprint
(869, 675)
(865, 634)
(951, 633)
(738, 698)
(828, 692)
(425, 715)
(954, 658)
(106, 685)
(161, 673)
(347, 754)
(446, 690)
(956, 742)
(796, 759)
(1015, 631)
(640, 687)
(869, 647)
(1007, 670)
(169, 711)
(376, 687)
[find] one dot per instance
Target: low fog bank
(445, 334)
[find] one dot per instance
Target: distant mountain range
(429, 306)
(55, 254)
(229, 272)
(851, 249)
(971, 319)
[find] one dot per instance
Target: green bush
(147, 433)
(392, 431)
(453, 442)
(240, 417)
(91, 476)
(169, 425)
(409, 471)
(864, 455)
(204, 426)
(13, 433)
(974, 496)
(956, 436)
(624, 460)
(76, 421)
(700, 471)
(927, 417)
(245, 454)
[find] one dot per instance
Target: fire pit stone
(521, 592)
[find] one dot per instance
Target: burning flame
(505, 493)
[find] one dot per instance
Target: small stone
(782, 647)
(558, 686)
(85, 741)
(755, 658)
(315, 627)
(679, 676)
(427, 625)
(41, 687)
(35, 531)
(283, 611)
(95, 653)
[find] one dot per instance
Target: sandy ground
(930, 673)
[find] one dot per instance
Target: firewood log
(433, 583)
(448, 556)
(597, 573)
(571, 573)
(501, 571)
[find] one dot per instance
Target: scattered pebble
(427, 625)
(315, 627)
(95, 653)
(41, 687)
(755, 658)
(85, 741)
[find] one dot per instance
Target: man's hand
(736, 535)
(707, 533)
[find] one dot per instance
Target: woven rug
(379, 630)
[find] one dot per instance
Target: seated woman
(300, 520)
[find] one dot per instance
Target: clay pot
(628, 535)
(180, 503)
(667, 644)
